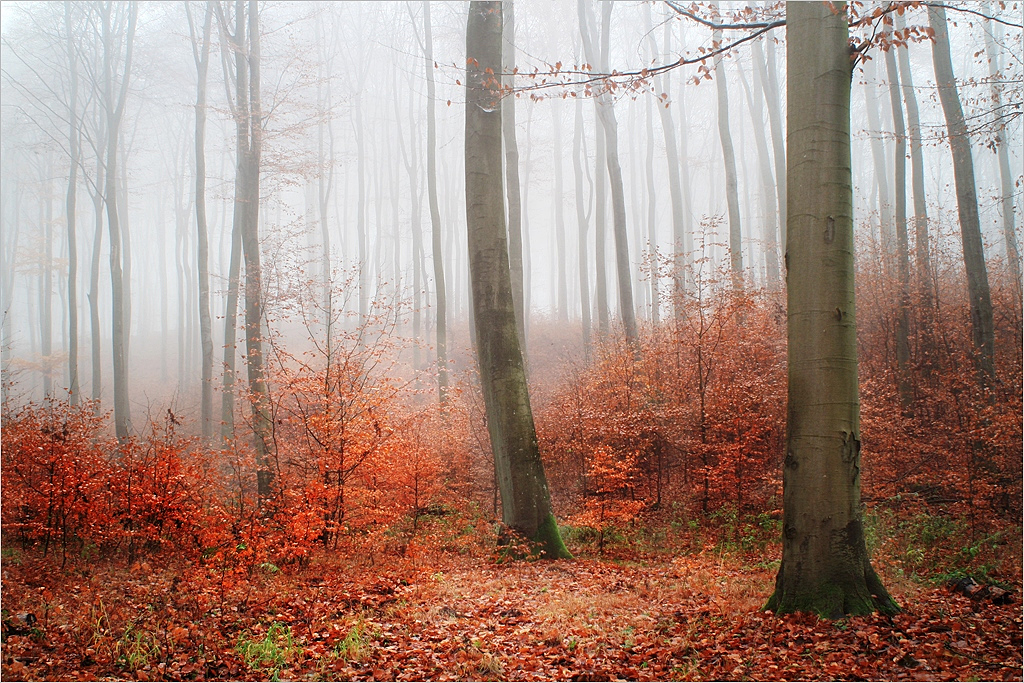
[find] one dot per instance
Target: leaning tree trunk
(825, 566)
(982, 327)
(526, 503)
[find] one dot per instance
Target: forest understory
(445, 610)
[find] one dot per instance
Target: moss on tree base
(549, 542)
(834, 599)
(546, 543)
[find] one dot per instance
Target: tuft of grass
(136, 649)
(270, 654)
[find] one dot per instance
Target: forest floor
(443, 616)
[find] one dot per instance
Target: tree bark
(513, 190)
(201, 56)
(440, 290)
(526, 503)
(663, 83)
(903, 384)
(70, 207)
(114, 110)
(582, 221)
(768, 235)
(825, 566)
(878, 156)
(606, 116)
(767, 76)
(729, 157)
(982, 326)
(1005, 175)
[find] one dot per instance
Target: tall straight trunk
(201, 56)
(563, 257)
(887, 237)
(95, 334)
(825, 566)
(8, 257)
(921, 237)
(70, 207)
(415, 211)
(513, 191)
(364, 286)
(982, 327)
(180, 253)
(440, 289)
(1005, 175)
(46, 279)
(663, 84)
(902, 241)
(588, 34)
(238, 100)
(227, 409)
(732, 197)
(767, 76)
(527, 263)
(606, 117)
(126, 241)
(250, 201)
(582, 220)
(683, 260)
(325, 172)
(601, 231)
(764, 168)
(114, 110)
(652, 222)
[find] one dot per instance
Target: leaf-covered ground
(694, 617)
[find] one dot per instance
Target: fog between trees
(361, 198)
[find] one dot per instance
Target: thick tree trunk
(729, 158)
(440, 289)
(982, 327)
(526, 504)
(825, 566)
(903, 384)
